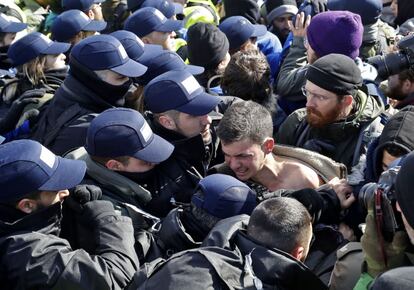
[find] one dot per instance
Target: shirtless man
(246, 137)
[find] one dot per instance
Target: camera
(387, 217)
(395, 62)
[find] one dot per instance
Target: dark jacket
(247, 267)
(152, 191)
(398, 131)
(63, 125)
(34, 257)
(346, 140)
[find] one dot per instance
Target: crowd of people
(203, 144)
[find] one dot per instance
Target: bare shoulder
(303, 174)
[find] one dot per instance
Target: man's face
(165, 39)
(395, 88)
(311, 56)
(56, 61)
(244, 157)
(8, 39)
(190, 126)
(387, 159)
(322, 106)
(135, 165)
(281, 26)
(112, 78)
(97, 11)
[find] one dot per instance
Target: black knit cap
(404, 185)
(336, 73)
(207, 45)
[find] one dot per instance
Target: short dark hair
(281, 222)
(247, 76)
(407, 74)
(395, 150)
(245, 120)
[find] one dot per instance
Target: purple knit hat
(335, 32)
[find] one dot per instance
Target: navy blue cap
(133, 45)
(224, 196)
(238, 30)
(167, 7)
(71, 22)
(26, 166)
(148, 19)
(180, 91)
(82, 5)
(159, 62)
(101, 52)
(8, 26)
(33, 45)
(120, 132)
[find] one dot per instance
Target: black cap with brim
(68, 174)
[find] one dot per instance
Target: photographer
(382, 252)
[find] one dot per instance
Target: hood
(46, 221)
(399, 131)
(277, 268)
(224, 231)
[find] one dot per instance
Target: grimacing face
(244, 157)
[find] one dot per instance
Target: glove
(310, 199)
(394, 251)
(82, 194)
(319, 146)
(8, 123)
(319, 5)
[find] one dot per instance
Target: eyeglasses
(309, 95)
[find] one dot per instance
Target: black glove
(319, 5)
(9, 122)
(311, 199)
(320, 146)
(82, 194)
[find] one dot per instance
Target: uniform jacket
(34, 257)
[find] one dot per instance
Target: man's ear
(90, 14)
(348, 100)
(146, 40)
(407, 86)
(298, 253)
(114, 165)
(167, 122)
(27, 205)
(268, 145)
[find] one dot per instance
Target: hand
(301, 24)
(370, 241)
(343, 190)
(8, 123)
(319, 5)
(82, 194)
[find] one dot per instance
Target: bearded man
(338, 120)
